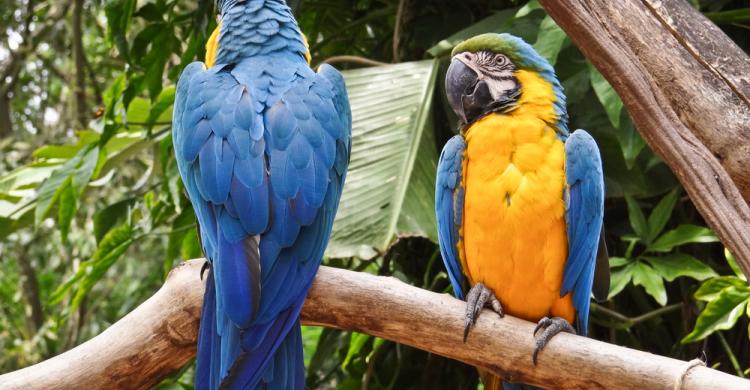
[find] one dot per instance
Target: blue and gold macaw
(519, 199)
(262, 143)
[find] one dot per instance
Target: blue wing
(263, 157)
(449, 199)
(584, 213)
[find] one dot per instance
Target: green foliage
(646, 267)
(95, 216)
(727, 298)
(607, 96)
(112, 246)
(550, 39)
(74, 174)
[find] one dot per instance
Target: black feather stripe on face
(503, 77)
(494, 62)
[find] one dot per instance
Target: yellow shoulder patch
(212, 46)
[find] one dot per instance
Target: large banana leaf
(389, 190)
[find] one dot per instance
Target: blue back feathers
(583, 215)
(262, 144)
(449, 199)
(253, 28)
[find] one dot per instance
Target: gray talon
(550, 327)
(478, 298)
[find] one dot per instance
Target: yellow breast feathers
(513, 233)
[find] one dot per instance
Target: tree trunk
(687, 87)
(30, 287)
(80, 64)
(6, 124)
(159, 336)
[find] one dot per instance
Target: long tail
(493, 382)
(286, 370)
(274, 359)
(208, 340)
(274, 351)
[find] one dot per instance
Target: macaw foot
(205, 267)
(550, 327)
(478, 298)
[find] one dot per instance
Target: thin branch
(159, 337)
(354, 60)
(398, 28)
(624, 322)
(130, 123)
(94, 83)
(730, 354)
(166, 233)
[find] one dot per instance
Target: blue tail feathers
(275, 362)
(208, 339)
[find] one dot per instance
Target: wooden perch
(159, 336)
(687, 87)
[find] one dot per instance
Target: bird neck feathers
(254, 28)
(539, 99)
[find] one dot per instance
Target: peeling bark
(687, 87)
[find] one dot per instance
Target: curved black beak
(467, 94)
(458, 80)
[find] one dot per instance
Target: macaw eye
(500, 60)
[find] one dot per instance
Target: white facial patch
(500, 87)
(494, 69)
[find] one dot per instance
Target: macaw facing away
(519, 199)
(262, 143)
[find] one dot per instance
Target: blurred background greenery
(93, 216)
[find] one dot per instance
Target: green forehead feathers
(518, 51)
(523, 56)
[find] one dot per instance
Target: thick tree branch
(686, 86)
(159, 336)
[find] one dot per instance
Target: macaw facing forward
(262, 143)
(519, 200)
